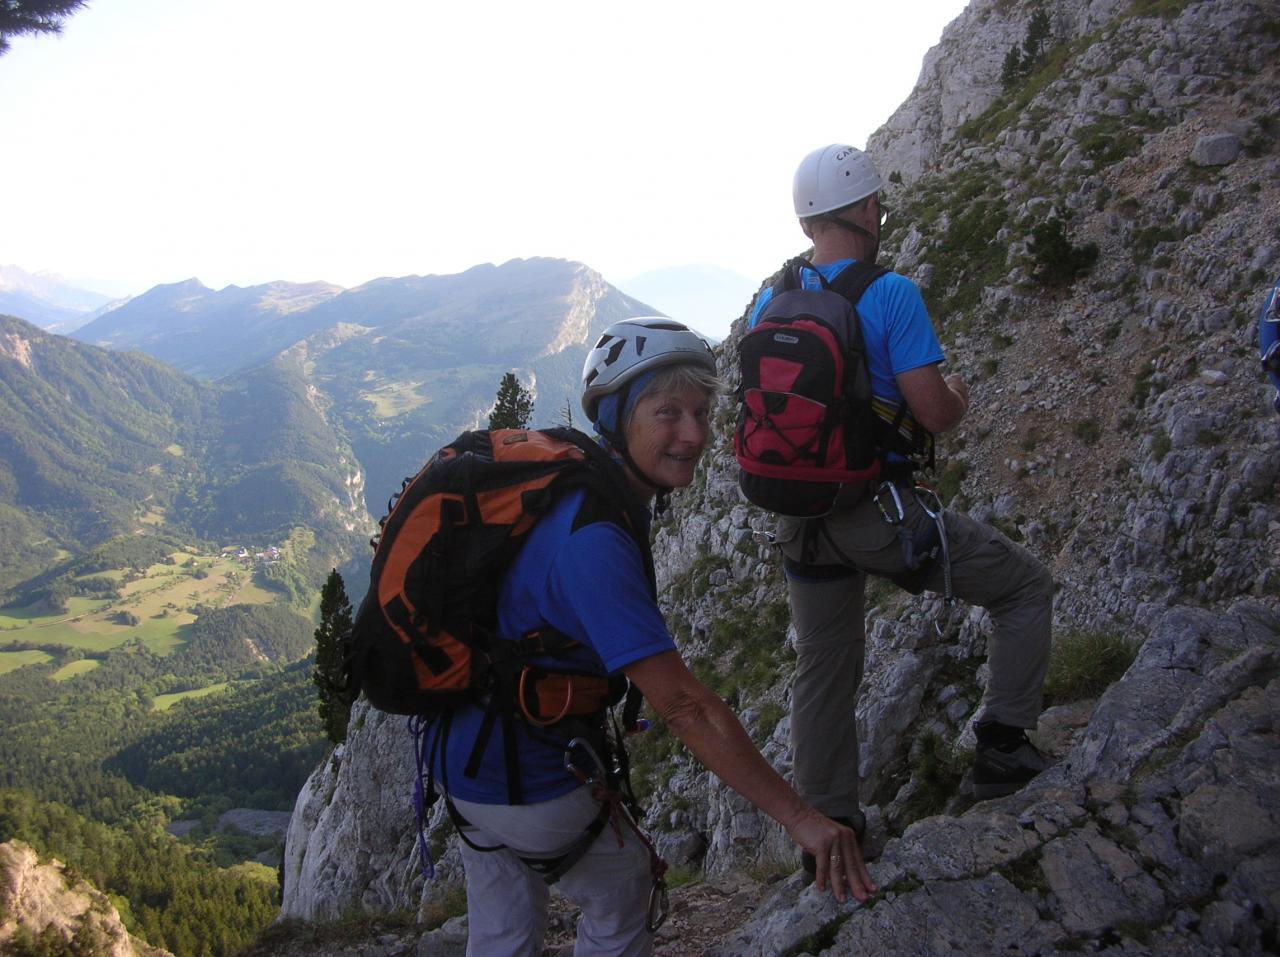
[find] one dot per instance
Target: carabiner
(659, 906)
(923, 491)
(573, 769)
(925, 497)
(897, 502)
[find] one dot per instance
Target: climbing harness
(613, 803)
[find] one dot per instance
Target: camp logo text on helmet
(832, 178)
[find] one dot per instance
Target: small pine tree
(1038, 31)
(1057, 262)
(1020, 61)
(513, 407)
(330, 670)
(1011, 71)
(19, 17)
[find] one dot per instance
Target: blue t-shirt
(1269, 333)
(588, 583)
(895, 326)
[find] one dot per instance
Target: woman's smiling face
(667, 434)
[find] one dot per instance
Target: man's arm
(938, 404)
(707, 726)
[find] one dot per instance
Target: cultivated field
(162, 601)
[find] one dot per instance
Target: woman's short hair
(674, 378)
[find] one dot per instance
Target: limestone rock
(1218, 149)
(1089, 851)
(36, 898)
(351, 839)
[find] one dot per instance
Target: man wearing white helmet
(836, 193)
(647, 388)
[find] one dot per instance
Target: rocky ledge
(1158, 832)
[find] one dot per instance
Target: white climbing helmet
(833, 177)
(631, 347)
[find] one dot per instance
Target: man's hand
(836, 853)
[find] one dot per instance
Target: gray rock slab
(1096, 884)
(984, 916)
(1216, 149)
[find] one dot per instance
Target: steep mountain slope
(95, 444)
(1119, 428)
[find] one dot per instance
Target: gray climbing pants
(826, 595)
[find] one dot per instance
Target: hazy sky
(249, 140)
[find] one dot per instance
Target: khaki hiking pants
(827, 607)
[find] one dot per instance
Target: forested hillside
(97, 444)
(164, 541)
(91, 772)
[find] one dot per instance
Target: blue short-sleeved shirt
(895, 326)
(1269, 332)
(588, 583)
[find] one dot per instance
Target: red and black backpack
(807, 426)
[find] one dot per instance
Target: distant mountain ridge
(320, 392)
(401, 363)
(49, 301)
(210, 333)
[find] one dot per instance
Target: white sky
(244, 141)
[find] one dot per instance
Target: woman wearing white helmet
(647, 387)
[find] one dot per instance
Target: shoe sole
(984, 792)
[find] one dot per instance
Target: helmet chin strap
(858, 231)
(660, 491)
(618, 443)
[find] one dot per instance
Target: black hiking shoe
(1004, 760)
(859, 825)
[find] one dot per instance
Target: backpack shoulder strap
(605, 479)
(790, 276)
(854, 280)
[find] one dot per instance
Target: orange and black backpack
(424, 639)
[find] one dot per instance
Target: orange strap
(524, 708)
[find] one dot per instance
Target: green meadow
(12, 660)
(156, 608)
(163, 702)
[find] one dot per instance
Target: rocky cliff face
(1120, 429)
(44, 908)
